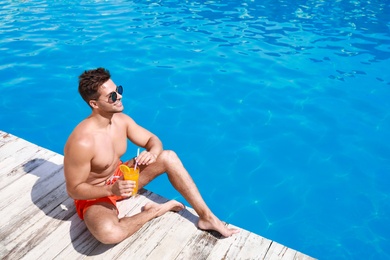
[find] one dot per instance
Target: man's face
(110, 98)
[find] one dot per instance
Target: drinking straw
(135, 165)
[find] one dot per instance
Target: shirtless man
(92, 156)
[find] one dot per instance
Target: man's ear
(93, 103)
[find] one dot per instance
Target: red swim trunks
(83, 205)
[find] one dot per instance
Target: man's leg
(102, 220)
(170, 163)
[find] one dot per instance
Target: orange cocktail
(130, 174)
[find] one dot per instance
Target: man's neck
(102, 120)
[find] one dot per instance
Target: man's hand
(123, 188)
(146, 158)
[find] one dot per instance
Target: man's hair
(90, 81)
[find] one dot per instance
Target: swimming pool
(279, 109)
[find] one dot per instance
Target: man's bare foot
(213, 223)
(161, 209)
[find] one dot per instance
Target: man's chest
(108, 150)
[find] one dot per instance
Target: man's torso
(108, 145)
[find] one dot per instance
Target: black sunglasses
(112, 97)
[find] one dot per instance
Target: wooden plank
(6, 137)
(147, 238)
(51, 245)
(254, 247)
(24, 227)
(166, 239)
(229, 248)
(278, 251)
(31, 239)
(11, 146)
(17, 162)
(13, 170)
(176, 237)
(33, 190)
(39, 194)
(199, 246)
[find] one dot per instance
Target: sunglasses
(113, 96)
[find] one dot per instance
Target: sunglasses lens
(113, 97)
(120, 89)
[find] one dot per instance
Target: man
(92, 156)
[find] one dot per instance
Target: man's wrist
(109, 190)
(154, 155)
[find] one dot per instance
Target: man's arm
(143, 138)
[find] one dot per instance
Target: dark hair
(90, 81)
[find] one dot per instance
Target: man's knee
(108, 233)
(168, 156)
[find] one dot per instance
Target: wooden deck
(38, 219)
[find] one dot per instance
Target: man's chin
(117, 110)
(119, 106)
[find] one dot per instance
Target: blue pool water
(279, 109)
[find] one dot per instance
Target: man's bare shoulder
(123, 121)
(123, 118)
(82, 136)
